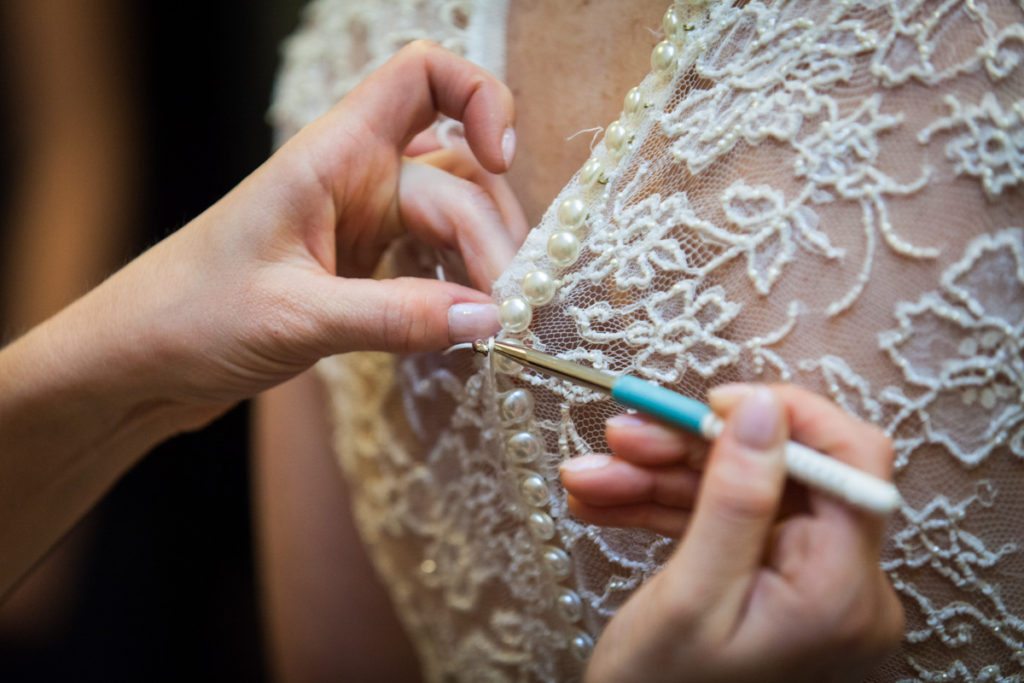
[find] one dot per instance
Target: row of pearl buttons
(523, 449)
(538, 288)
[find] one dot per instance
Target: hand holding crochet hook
(769, 582)
(760, 570)
(847, 483)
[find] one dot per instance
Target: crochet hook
(803, 464)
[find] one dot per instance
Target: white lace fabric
(822, 193)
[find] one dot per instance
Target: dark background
(164, 586)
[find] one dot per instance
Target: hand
(762, 587)
(270, 279)
(275, 275)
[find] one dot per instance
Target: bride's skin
(328, 616)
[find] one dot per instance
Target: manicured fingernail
(757, 421)
(627, 420)
(508, 146)
(468, 322)
(583, 463)
(731, 391)
(725, 396)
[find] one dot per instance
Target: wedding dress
(824, 193)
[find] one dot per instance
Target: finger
(817, 422)
(398, 315)
(821, 424)
(404, 96)
(603, 481)
(661, 519)
(445, 211)
(645, 441)
(725, 397)
(736, 506)
(460, 162)
(423, 143)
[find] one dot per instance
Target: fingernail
(733, 389)
(725, 396)
(757, 422)
(627, 420)
(469, 322)
(583, 463)
(508, 146)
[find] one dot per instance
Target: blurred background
(119, 122)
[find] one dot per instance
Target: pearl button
(663, 57)
(541, 526)
(569, 606)
(572, 212)
(592, 172)
(563, 250)
(517, 406)
(505, 365)
(538, 287)
(557, 562)
(670, 23)
(616, 136)
(634, 101)
(535, 491)
(524, 447)
(581, 645)
(515, 314)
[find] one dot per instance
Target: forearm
(70, 425)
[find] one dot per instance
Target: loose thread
(457, 347)
(439, 269)
(491, 370)
(492, 374)
(596, 130)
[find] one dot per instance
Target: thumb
(736, 506)
(399, 315)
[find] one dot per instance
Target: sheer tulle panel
(822, 193)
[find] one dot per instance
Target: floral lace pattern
(823, 193)
(990, 143)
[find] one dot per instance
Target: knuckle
(473, 207)
(476, 196)
(286, 319)
(399, 322)
(405, 325)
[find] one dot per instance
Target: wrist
(70, 427)
(82, 389)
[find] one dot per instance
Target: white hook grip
(836, 478)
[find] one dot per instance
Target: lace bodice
(821, 193)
